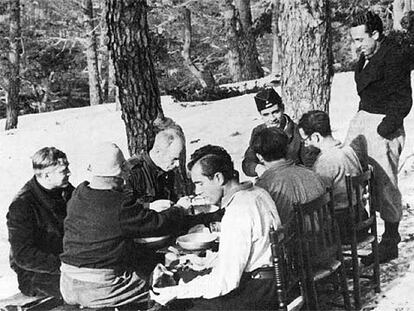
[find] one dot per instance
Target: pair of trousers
(383, 156)
(252, 294)
(100, 288)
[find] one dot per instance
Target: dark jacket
(384, 86)
(296, 151)
(101, 225)
(35, 225)
(148, 182)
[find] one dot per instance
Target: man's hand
(163, 295)
(160, 205)
(184, 202)
(260, 169)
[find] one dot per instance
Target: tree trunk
(103, 55)
(277, 41)
(233, 55)
(129, 48)
(204, 77)
(243, 57)
(95, 91)
(14, 59)
(400, 7)
(307, 55)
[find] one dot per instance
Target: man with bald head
(151, 176)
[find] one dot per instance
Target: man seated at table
(152, 174)
(35, 224)
(287, 183)
(333, 163)
(244, 249)
(101, 266)
(271, 108)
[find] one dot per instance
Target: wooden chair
(322, 254)
(359, 191)
(288, 266)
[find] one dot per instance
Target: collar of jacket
(281, 164)
(230, 195)
(364, 76)
(53, 200)
(144, 157)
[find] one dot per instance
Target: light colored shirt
(244, 243)
(332, 165)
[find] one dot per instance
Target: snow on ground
(226, 122)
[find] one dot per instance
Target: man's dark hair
(205, 150)
(371, 21)
(214, 159)
(315, 121)
(271, 143)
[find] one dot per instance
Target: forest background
(58, 38)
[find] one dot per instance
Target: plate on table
(196, 241)
(158, 241)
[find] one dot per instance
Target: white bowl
(196, 241)
(157, 241)
(204, 208)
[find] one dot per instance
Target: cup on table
(171, 259)
(215, 227)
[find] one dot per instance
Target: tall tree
(400, 7)
(134, 71)
(307, 71)
(277, 41)
(242, 56)
(204, 76)
(14, 59)
(95, 90)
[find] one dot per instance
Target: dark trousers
(252, 294)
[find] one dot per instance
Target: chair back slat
(287, 262)
(360, 201)
(321, 237)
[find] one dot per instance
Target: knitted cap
(267, 98)
(106, 160)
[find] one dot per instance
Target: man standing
(271, 108)
(35, 224)
(287, 183)
(101, 266)
(383, 83)
(242, 277)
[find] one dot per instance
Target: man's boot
(388, 247)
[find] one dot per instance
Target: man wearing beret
(271, 108)
(383, 83)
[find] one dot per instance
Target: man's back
(333, 164)
(288, 184)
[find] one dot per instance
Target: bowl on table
(204, 208)
(153, 242)
(197, 241)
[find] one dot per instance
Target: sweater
(101, 225)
